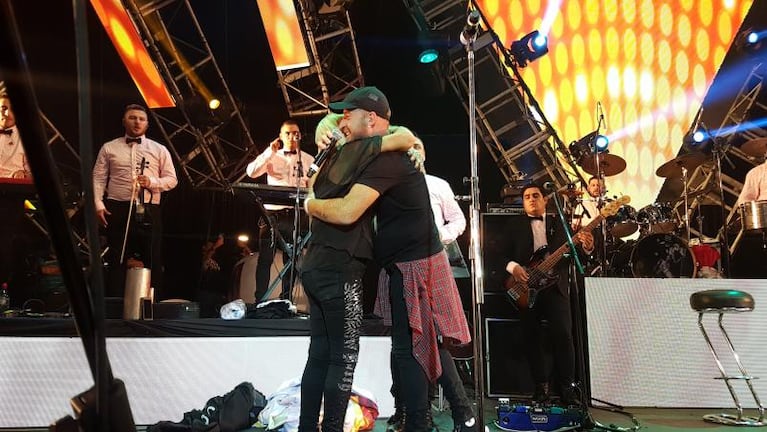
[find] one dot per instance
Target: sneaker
(469, 425)
(396, 423)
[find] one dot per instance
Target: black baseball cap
(367, 98)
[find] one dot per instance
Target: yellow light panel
(134, 55)
(284, 33)
(649, 62)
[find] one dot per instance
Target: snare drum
(754, 215)
(662, 256)
(657, 218)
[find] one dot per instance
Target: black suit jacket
(513, 241)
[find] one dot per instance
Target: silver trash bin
(138, 291)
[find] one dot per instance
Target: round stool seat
(722, 300)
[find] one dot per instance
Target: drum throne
(722, 302)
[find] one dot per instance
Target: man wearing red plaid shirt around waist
(423, 301)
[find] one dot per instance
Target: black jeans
(335, 302)
(406, 370)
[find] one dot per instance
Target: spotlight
(601, 142)
(243, 238)
(428, 56)
(529, 48)
(699, 137)
(214, 103)
(750, 40)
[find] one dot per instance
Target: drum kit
(660, 250)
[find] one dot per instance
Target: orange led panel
(134, 55)
(284, 33)
(649, 63)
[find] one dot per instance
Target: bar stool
(722, 302)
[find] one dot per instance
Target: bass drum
(662, 256)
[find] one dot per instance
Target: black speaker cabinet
(493, 225)
(507, 370)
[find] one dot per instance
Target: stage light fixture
(600, 143)
(243, 238)
(750, 40)
(699, 137)
(529, 48)
(214, 103)
(427, 56)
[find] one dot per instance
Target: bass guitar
(523, 294)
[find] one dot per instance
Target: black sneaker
(396, 423)
(469, 425)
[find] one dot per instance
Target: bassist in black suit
(552, 303)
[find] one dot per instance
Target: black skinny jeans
(335, 302)
(406, 370)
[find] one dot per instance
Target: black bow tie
(133, 140)
(6, 131)
(287, 152)
(540, 218)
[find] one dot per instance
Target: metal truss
(510, 123)
(335, 68)
(212, 147)
(736, 126)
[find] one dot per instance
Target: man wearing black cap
(337, 256)
(408, 248)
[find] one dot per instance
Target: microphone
(325, 153)
(469, 33)
(549, 186)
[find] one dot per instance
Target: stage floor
(650, 419)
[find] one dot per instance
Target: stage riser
(164, 377)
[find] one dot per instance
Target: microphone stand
(475, 254)
(600, 199)
(294, 251)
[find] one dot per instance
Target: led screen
(648, 62)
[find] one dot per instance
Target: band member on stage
(134, 171)
(283, 167)
(755, 184)
(408, 248)
(751, 253)
(13, 164)
(590, 206)
(336, 259)
(552, 303)
(13, 160)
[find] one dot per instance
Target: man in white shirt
(13, 164)
(751, 253)
(133, 171)
(283, 167)
(13, 160)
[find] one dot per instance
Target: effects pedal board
(525, 418)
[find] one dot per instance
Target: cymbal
(756, 147)
(673, 168)
(609, 164)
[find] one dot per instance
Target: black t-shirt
(332, 242)
(404, 220)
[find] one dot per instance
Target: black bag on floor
(232, 412)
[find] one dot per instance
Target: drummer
(751, 253)
(589, 207)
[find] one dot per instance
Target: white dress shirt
(448, 215)
(539, 240)
(118, 166)
(590, 213)
(12, 155)
(755, 185)
(281, 169)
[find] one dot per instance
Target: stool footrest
(729, 419)
(737, 377)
